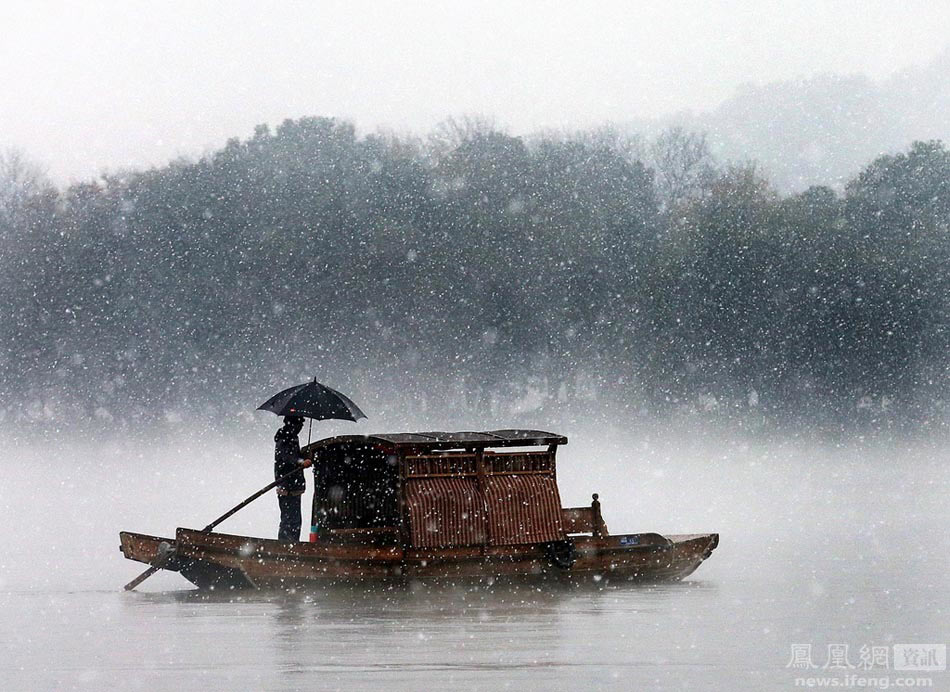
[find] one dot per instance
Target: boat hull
(217, 560)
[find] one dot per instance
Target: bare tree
(629, 145)
(20, 180)
(453, 132)
(683, 164)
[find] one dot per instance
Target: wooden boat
(448, 506)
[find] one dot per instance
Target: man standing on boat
(289, 490)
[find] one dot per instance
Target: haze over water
(821, 544)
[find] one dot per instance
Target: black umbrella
(313, 400)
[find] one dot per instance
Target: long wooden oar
(164, 558)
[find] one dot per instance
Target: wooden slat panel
(445, 512)
(523, 508)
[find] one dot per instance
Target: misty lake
(708, 242)
(822, 545)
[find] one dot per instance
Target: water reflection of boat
(449, 506)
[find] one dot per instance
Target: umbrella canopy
(313, 400)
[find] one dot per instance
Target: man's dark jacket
(286, 459)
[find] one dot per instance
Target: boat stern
(146, 549)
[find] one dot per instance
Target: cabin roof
(448, 440)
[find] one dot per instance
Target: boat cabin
(438, 489)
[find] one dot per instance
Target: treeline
(475, 271)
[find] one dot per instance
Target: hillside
(822, 130)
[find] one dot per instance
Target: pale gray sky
(100, 85)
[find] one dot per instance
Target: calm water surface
(820, 546)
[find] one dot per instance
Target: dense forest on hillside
(475, 271)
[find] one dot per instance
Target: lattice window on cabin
(519, 462)
(436, 465)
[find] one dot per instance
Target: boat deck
(212, 560)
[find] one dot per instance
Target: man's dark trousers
(289, 517)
